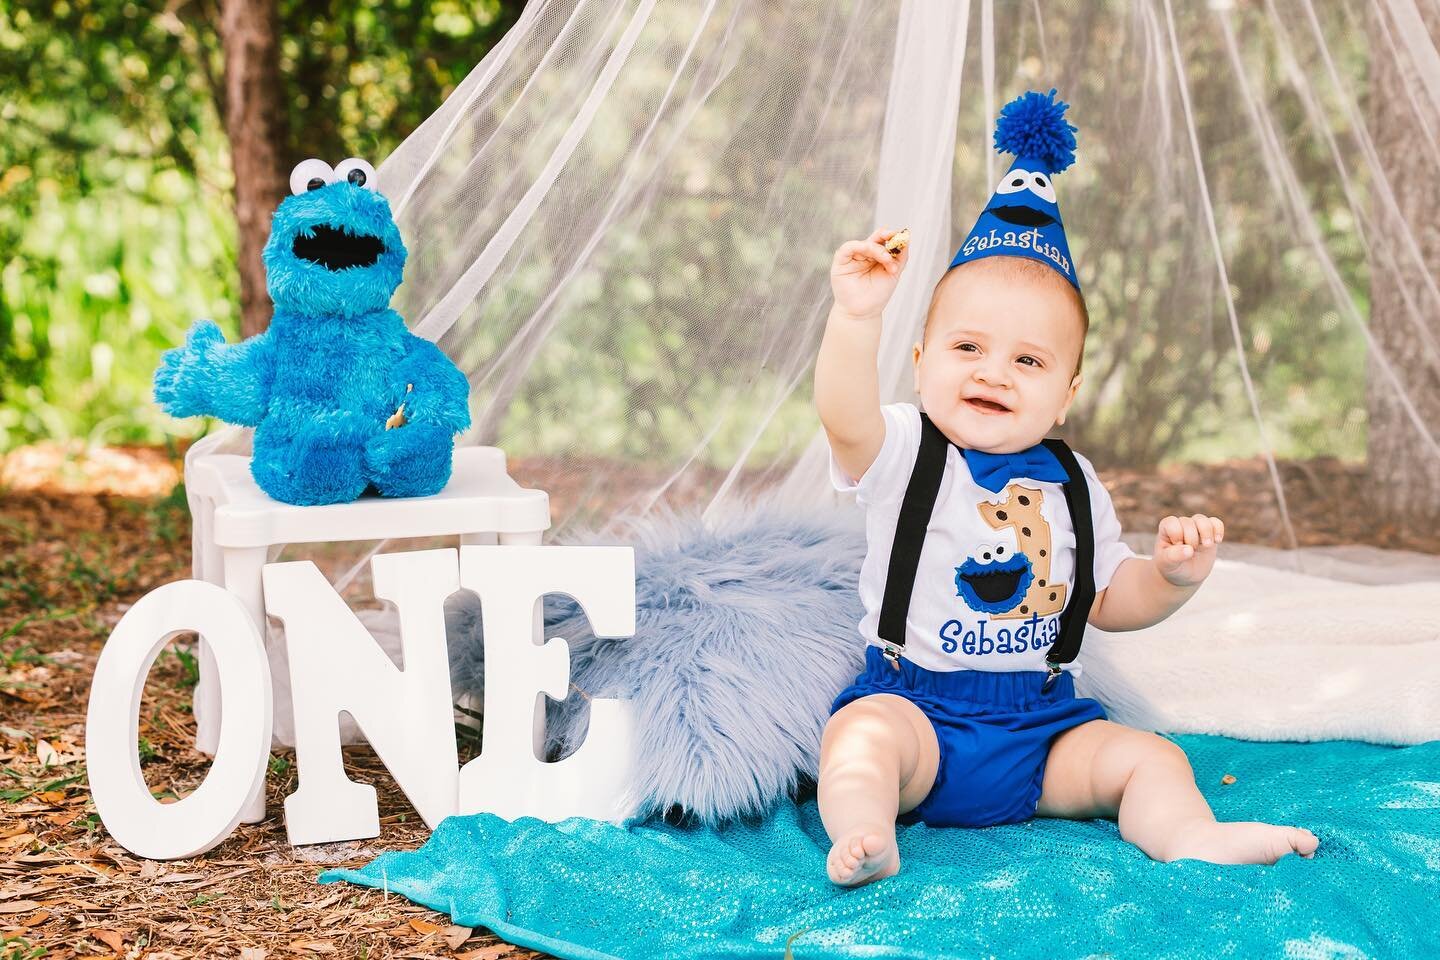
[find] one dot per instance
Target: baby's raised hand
(863, 274)
(1185, 548)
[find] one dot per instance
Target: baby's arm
(1146, 590)
(863, 275)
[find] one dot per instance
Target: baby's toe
(836, 866)
(873, 845)
(1303, 842)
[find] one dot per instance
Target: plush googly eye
(356, 171)
(1000, 551)
(310, 174)
(1041, 186)
(1014, 181)
(987, 553)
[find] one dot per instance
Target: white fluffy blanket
(1263, 653)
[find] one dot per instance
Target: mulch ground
(82, 538)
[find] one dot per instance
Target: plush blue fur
(334, 365)
(1033, 125)
(744, 635)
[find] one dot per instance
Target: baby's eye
(966, 346)
(1033, 361)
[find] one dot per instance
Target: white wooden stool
(236, 525)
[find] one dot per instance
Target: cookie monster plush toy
(341, 395)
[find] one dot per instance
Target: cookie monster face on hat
(1022, 219)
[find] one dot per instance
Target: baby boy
(964, 719)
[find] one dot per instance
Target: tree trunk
(254, 123)
(1404, 312)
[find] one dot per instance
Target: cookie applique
(1020, 511)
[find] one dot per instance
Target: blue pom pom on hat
(1022, 218)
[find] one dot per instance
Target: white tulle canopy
(620, 227)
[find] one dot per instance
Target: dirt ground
(82, 538)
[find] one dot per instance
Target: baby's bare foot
(1244, 842)
(863, 856)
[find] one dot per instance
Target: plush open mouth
(334, 249)
(1023, 216)
(988, 406)
(996, 586)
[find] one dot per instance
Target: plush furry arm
(209, 377)
(441, 394)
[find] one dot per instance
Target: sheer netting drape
(621, 225)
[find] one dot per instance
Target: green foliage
(114, 224)
(360, 76)
(116, 220)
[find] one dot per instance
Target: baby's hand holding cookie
(1185, 548)
(864, 273)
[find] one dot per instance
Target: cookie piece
(898, 241)
(398, 419)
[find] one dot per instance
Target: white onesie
(995, 569)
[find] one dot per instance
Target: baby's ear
(1070, 398)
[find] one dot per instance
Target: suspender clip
(892, 653)
(1051, 675)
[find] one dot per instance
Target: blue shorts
(994, 730)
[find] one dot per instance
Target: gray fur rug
(745, 632)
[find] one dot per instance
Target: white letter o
(137, 821)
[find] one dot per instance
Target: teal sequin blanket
(1046, 889)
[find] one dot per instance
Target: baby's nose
(994, 374)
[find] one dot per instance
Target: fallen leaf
(252, 953)
(51, 796)
(1227, 779)
(37, 919)
(111, 938)
(457, 935)
(47, 755)
(77, 870)
(20, 906)
(315, 946)
(25, 889)
(180, 877)
(488, 953)
(424, 927)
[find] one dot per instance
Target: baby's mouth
(986, 406)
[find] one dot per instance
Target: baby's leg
(878, 758)
(1104, 769)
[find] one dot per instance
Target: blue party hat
(1022, 219)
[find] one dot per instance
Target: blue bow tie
(993, 470)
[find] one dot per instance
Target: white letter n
(335, 664)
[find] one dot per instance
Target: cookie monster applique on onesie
(342, 396)
(996, 567)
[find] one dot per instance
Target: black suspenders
(915, 510)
